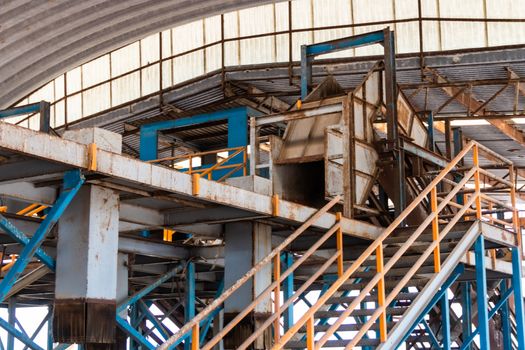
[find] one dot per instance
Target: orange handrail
(382, 268)
(274, 256)
(220, 165)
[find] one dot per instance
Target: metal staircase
(381, 296)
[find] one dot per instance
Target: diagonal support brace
(73, 180)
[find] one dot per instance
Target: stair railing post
(310, 334)
(477, 182)
(195, 337)
(277, 297)
(339, 239)
(381, 297)
(435, 229)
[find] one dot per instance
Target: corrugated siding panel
(185, 38)
(456, 35)
(212, 33)
(382, 10)
(505, 33)
(255, 21)
(330, 13)
(274, 17)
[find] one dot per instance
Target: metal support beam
(73, 180)
(146, 290)
(288, 290)
(458, 270)
(481, 289)
(189, 304)
(42, 107)
(13, 332)
(445, 321)
(505, 318)
(466, 310)
(237, 119)
(519, 310)
(126, 327)
(11, 318)
(308, 53)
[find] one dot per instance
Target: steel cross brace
(19, 335)
(132, 300)
(154, 321)
(437, 297)
(205, 323)
(503, 299)
(73, 180)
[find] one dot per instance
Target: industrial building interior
(241, 174)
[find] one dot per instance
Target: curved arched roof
(40, 39)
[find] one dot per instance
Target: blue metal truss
(133, 302)
(308, 53)
(437, 297)
(237, 119)
(42, 107)
(73, 180)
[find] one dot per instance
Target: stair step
(424, 237)
(418, 249)
(332, 343)
(395, 311)
(347, 327)
(390, 283)
(394, 272)
(368, 298)
(407, 260)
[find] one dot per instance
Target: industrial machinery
(337, 223)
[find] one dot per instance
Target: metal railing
(475, 200)
(237, 160)
(278, 278)
(478, 205)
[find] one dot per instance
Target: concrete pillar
(246, 243)
(86, 273)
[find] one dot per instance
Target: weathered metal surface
(146, 175)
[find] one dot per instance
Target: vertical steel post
(277, 298)
(11, 319)
(189, 306)
(445, 321)
(306, 72)
(45, 116)
(391, 117)
(288, 290)
(518, 297)
(430, 121)
(50, 328)
(466, 311)
(481, 289)
(505, 318)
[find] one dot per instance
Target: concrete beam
(145, 175)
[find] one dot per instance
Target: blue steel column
(481, 289)
(288, 290)
(505, 319)
(518, 297)
(189, 306)
(445, 321)
(466, 316)
(11, 319)
(430, 121)
(50, 328)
